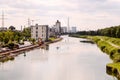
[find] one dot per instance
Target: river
(68, 59)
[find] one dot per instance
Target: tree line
(10, 38)
(113, 31)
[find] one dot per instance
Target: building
(58, 26)
(52, 32)
(3, 28)
(63, 30)
(40, 32)
(73, 30)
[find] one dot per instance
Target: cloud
(87, 13)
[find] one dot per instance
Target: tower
(58, 26)
(68, 26)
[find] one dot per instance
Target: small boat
(57, 47)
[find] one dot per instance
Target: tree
(118, 32)
(32, 40)
(12, 28)
(27, 32)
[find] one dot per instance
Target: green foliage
(52, 39)
(11, 45)
(26, 32)
(32, 40)
(78, 36)
(104, 44)
(114, 66)
(110, 32)
(14, 36)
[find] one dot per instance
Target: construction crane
(31, 22)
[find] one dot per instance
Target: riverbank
(9, 55)
(110, 46)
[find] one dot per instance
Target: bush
(102, 48)
(11, 45)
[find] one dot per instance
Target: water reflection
(24, 54)
(46, 47)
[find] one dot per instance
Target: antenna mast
(2, 18)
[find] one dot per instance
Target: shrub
(11, 45)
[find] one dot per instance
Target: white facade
(63, 29)
(73, 29)
(40, 31)
(3, 28)
(58, 26)
(52, 31)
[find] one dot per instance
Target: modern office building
(40, 32)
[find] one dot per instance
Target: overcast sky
(84, 14)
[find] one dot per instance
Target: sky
(84, 14)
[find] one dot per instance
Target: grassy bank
(78, 36)
(106, 45)
(110, 46)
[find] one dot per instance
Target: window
(36, 27)
(36, 35)
(36, 32)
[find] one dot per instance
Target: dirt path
(112, 44)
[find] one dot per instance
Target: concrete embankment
(9, 55)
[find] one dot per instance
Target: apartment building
(40, 32)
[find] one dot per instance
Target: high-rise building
(40, 32)
(58, 27)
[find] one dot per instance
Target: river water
(68, 59)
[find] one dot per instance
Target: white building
(73, 30)
(40, 31)
(63, 29)
(52, 32)
(3, 28)
(58, 27)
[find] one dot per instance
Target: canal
(68, 59)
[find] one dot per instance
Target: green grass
(103, 44)
(114, 52)
(114, 65)
(78, 36)
(52, 38)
